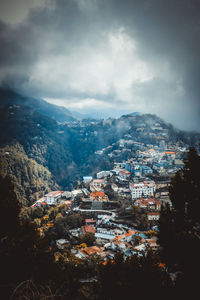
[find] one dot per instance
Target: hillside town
(119, 208)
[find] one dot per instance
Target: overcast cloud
(106, 55)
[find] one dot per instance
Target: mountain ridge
(79, 148)
(58, 113)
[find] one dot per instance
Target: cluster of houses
(131, 176)
(131, 180)
(163, 161)
(142, 189)
(110, 238)
(164, 155)
(53, 198)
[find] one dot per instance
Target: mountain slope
(41, 137)
(60, 114)
(70, 151)
(30, 179)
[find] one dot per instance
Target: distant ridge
(73, 150)
(133, 114)
(60, 114)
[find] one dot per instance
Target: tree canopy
(179, 226)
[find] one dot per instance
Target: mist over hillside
(69, 148)
(60, 114)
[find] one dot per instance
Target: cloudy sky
(105, 56)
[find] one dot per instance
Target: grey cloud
(63, 49)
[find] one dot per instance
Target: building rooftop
(88, 229)
(54, 193)
(98, 194)
(104, 236)
(90, 221)
(91, 250)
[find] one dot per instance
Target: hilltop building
(142, 189)
(98, 196)
(52, 197)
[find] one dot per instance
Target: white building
(76, 193)
(103, 174)
(52, 197)
(62, 243)
(104, 236)
(142, 189)
(153, 216)
(114, 187)
(97, 185)
(137, 171)
(124, 174)
(98, 182)
(87, 179)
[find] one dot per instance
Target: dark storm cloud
(131, 55)
(170, 29)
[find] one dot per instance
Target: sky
(106, 57)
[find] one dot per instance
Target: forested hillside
(61, 114)
(74, 149)
(32, 269)
(31, 179)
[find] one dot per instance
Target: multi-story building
(150, 203)
(98, 196)
(142, 189)
(153, 216)
(52, 197)
(103, 174)
(124, 174)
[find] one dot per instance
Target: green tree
(38, 212)
(88, 239)
(137, 240)
(9, 208)
(23, 253)
(179, 226)
(185, 190)
(135, 210)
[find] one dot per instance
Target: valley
(77, 148)
(89, 195)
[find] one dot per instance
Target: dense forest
(31, 269)
(38, 154)
(31, 179)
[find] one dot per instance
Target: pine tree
(9, 208)
(185, 190)
(179, 227)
